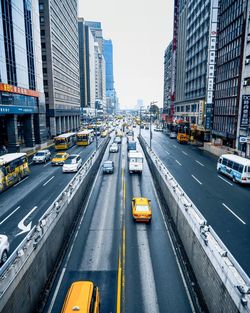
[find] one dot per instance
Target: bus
(234, 166)
(85, 137)
(65, 141)
(13, 167)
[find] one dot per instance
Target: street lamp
(96, 140)
(150, 138)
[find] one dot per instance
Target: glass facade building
(22, 107)
(60, 56)
(231, 33)
(167, 78)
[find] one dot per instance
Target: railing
(22, 253)
(231, 273)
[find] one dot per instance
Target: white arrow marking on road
(25, 229)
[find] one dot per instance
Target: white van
(135, 162)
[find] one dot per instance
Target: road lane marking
(196, 179)
(199, 163)
(9, 215)
(174, 146)
(47, 164)
(25, 228)
(174, 252)
(225, 180)
(48, 181)
(118, 302)
(21, 181)
(178, 162)
(233, 213)
(184, 152)
(167, 152)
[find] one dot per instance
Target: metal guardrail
(22, 253)
(231, 273)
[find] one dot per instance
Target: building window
(41, 7)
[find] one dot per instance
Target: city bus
(85, 137)
(65, 141)
(234, 166)
(13, 167)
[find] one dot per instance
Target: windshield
(142, 208)
(81, 137)
(59, 156)
(40, 153)
(62, 140)
(107, 165)
(70, 161)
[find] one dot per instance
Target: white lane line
(174, 146)
(174, 252)
(184, 152)
(233, 213)
(196, 179)
(225, 180)
(178, 162)
(21, 181)
(47, 164)
(9, 215)
(56, 290)
(48, 181)
(167, 152)
(199, 163)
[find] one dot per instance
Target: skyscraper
(22, 107)
(60, 56)
(167, 78)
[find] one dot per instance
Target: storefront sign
(19, 90)
(9, 109)
(245, 112)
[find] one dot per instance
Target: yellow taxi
(82, 297)
(59, 158)
(104, 133)
(141, 210)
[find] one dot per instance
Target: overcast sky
(140, 31)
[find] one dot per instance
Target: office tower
(22, 106)
(60, 56)
(168, 58)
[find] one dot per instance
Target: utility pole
(140, 122)
(151, 135)
(96, 141)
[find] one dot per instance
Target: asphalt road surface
(225, 204)
(133, 264)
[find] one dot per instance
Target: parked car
(173, 135)
(72, 164)
(59, 158)
(4, 248)
(114, 147)
(108, 167)
(141, 209)
(41, 156)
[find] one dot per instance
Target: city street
(22, 205)
(108, 239)
(223, 203)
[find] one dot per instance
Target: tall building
(60, 56)
(196, 46)
(100, 67)
(168, 58)
(87, 65)
(22, 106)
(231, 37)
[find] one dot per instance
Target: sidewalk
(218, 150)
(30, 151)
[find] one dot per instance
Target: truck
(182, 138)
(135, 162)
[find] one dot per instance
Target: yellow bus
(82, 297)
(85, 137)
(13, 167)
(65, 141)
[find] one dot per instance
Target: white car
(114, 147)
(72, 164)
(4, 248)
(41, 156)
(173, 135)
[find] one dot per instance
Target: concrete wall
(216, 274)
(24, 293)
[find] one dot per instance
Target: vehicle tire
(19, 177)
(219, 170)
(234, 179)
(4, 257)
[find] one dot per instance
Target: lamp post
(140, 121)
(96, 141)
(150, 138)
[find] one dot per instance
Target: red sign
(19, 90)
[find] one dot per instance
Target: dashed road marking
(178, 162)
(196, 179)
(233, 213)
(48, 181)
(225, 180)
(9, 215)
(199, 163)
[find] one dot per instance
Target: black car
(108, 167)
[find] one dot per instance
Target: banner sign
(19, 90)
(245, 111)
(9, 109)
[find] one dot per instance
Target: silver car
(4, 248)
(114, 147)
(41, 156)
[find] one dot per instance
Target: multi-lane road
(22, 205)
(225, 205)
(133, 264)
